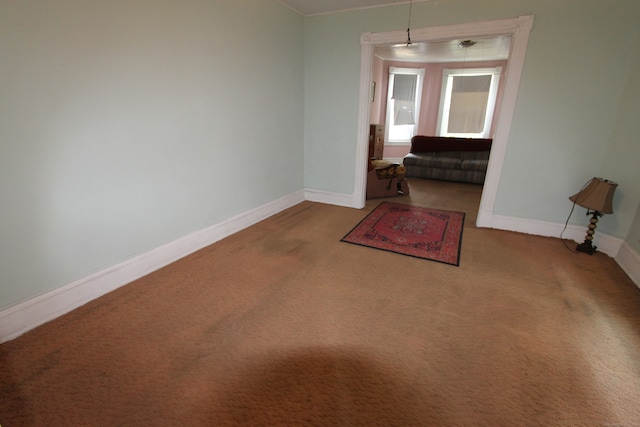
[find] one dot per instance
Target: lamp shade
(597, 195)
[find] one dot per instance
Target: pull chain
(409, 24)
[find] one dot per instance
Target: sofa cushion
(447, 154)
(421, 160)
(474, 155)
(445, 162)
(474, 165)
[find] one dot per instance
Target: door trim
(519, 28)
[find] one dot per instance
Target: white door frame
(519, 29)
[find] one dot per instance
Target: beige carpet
(283, 324)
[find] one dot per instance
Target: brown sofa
(449, 159)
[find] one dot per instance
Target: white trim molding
(329, 198)
(623, 254)
(20, 318)
(606, 244)
(629, 261)
(515, 65)
(519, 29)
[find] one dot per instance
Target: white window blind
(468, 102)
(403, 103)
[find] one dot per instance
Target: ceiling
(317, 7)
(496, 48)
(484, 49)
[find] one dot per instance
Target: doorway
(518, 28)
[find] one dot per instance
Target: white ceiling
(317, 7)
(496, 48)
(486, 49)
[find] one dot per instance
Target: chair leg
(403, 188)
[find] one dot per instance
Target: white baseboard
(618, 249)
(27, 315)
(605, 243)
(20, 318)
(629, 260)
(337, 199)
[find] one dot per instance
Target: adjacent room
(187, 236)
(434, 106)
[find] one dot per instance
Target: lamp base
(586, 247)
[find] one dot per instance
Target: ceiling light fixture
(409, 25)
(467, 43)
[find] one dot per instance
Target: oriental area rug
(426, 233)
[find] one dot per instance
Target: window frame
(420, 73)
(448, 75)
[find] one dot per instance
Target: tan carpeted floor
(283, 324)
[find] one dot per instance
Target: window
(468, 102)
(403, 103)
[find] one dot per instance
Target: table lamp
(597, 197)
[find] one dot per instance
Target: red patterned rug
(431, 234)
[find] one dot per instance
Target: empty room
(222, 212)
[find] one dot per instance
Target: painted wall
(576, 72)
(126, 125)
(623, 160)
(376, 115)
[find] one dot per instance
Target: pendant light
(409, 43)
